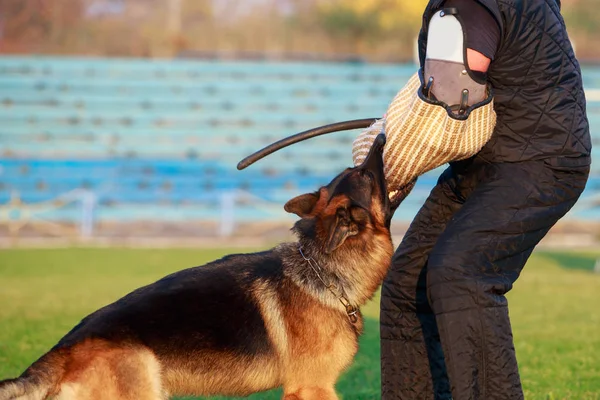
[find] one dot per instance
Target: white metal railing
(16, 214)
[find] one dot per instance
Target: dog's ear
(302, 205)
(340, 229)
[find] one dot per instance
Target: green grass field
(555, 309)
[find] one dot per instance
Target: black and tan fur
(243, 324)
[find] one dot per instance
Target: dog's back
(210, 306)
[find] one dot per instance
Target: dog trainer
(445, 329)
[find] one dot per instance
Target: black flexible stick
(299, 137)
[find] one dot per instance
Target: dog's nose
(378, 143)
(374, 160)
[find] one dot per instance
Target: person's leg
(475, 263)
(412, 363)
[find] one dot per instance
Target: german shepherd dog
(243, 324)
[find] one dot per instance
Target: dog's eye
(359, 214)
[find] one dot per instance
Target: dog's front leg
(311, 393)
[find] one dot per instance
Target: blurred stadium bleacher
(160, 140)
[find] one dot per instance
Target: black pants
(445, 330)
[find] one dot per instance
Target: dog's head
(352, 207)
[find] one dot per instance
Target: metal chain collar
(351, 310)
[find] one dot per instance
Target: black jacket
(538, 90)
